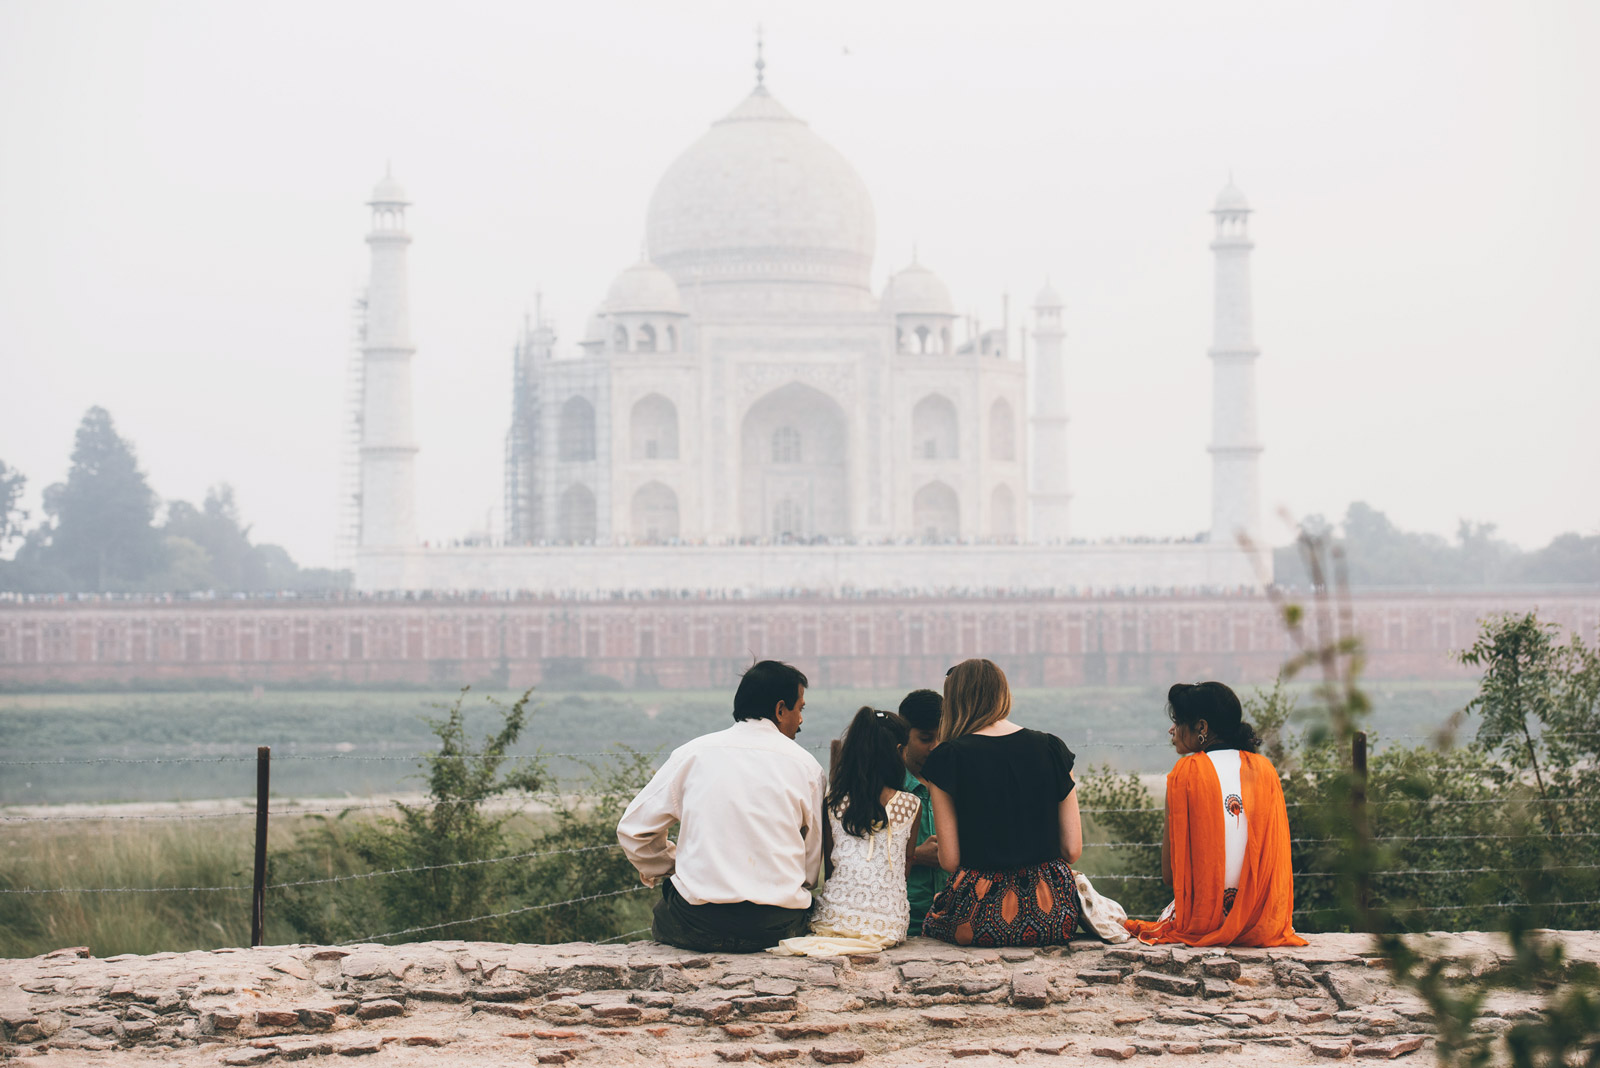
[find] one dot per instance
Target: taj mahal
(745, 412)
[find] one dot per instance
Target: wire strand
(494, 915)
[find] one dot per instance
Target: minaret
(1050, 493)
(1235, 447)
(388, 451)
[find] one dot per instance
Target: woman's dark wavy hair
(1189, 703)
(869, 760)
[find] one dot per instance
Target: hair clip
(879, 713)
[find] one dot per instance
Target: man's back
(749, 802)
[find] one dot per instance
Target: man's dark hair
(763, 686)
(921, 709)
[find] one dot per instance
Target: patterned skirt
(1032, 906)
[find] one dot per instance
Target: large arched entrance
(794, 473)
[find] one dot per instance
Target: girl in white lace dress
(871, 824)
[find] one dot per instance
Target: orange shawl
(1263, 908)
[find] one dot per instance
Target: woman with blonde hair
(1006, 816)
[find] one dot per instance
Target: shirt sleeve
(1061, 760)
(939, 768)
(642, 831)
(813, 826)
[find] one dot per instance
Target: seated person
(862, 907)
(748, 802)
(920, 709)
(1226, 848)
(1006, 812)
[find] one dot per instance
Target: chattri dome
(644, 287)
(761, 198)
(1231, 199)
(388, 191)
(917, 291)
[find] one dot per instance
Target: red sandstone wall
(691, 644)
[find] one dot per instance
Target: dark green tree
(215, 527)
(101, 533)
(12, 515)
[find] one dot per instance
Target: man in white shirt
(748, 802)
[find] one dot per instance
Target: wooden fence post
(1359, 822)
(258, 895)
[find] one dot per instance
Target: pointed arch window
(786, 445)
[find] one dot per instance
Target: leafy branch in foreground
(1525, 681)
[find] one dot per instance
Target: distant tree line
(104, 530)
(1378, 553)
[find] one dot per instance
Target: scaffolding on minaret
(347, 537)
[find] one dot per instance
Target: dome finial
(761, 64)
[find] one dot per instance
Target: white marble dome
(1231, 199)
(760, 197)
(917, 291)
(644, 287)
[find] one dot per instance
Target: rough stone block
(377, 1010)
(947, 1019)
(1391, 1049)
(776, 1053)
(358, 1047)
(425, 1040)
(970, 1049)
(316, 1019)
(742, 1030)
(771, 986)
(837, 1054)
(1221, 1047)
(748, 1006)
(1030, 990)
(1351, 990)
(308, 1047)
(1211, 989)
(735, 1054)
(705, 1007)
(971, 988)
(1119, 1052)
(790, 1032)
(437, 993)
(1183, 1049)
(1168, 984)
(1053, 1047)
(1333, 1050)
(276, 1018)
(1220, 968)
(240, 1057)
(367, 964)
(1101, 978)
(492, 1008)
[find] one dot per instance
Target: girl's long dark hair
(869, 760)
(1219, 706)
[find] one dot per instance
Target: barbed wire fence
(262, 811)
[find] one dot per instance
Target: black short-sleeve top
(1007, 791)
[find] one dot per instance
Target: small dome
(388, 191)
(1231, 199)
(644, 287)
(917, 291)
(1048, 297)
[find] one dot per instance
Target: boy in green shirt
(921, 710)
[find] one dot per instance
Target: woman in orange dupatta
(1226, 849)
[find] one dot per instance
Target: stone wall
(671, 643)
(922, 1003)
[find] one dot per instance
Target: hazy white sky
(181, 223)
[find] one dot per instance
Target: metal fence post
(1358, 822)
(258, 895)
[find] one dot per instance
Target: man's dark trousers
(740, 927)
